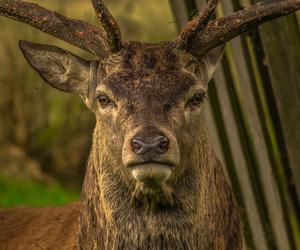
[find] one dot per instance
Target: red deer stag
(152, 180)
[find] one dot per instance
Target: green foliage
(22, 192)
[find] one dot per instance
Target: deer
(152, 179)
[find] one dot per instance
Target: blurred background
(253, 115)
(45, 135)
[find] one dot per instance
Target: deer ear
(210, 61)
(58, 67)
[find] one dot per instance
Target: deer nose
(158, 144)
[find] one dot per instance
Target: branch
(223, 29)
(110, 26)
(76, 32)
(190, 31)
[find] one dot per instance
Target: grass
(24, 192)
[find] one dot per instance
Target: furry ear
(210, 62)
(58, 67)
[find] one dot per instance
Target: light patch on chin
(152, 172)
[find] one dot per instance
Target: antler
(96, 40)
(110, 26)
(192, 28)
(201, 35)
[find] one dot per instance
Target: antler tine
(76, 32)
(193, 27)
(110, 26)
(221, 30)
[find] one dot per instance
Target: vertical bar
(180, 15)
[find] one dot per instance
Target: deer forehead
(149, 70)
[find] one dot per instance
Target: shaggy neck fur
(204, 215)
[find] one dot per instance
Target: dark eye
(104, 100)
(197, 99)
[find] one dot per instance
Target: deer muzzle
(151, 154)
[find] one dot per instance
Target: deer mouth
(151, 171)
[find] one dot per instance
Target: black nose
(158, 144)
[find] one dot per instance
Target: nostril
(163, 145)
(158, 145)
(136, 145)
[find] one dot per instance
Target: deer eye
(196, 100)
(104, 101)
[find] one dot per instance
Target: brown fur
(39, 228)
(150, 85)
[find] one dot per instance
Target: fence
(254, 124)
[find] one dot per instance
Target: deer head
(149, 146)
(147, 98)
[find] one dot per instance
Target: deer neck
(110, 221)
